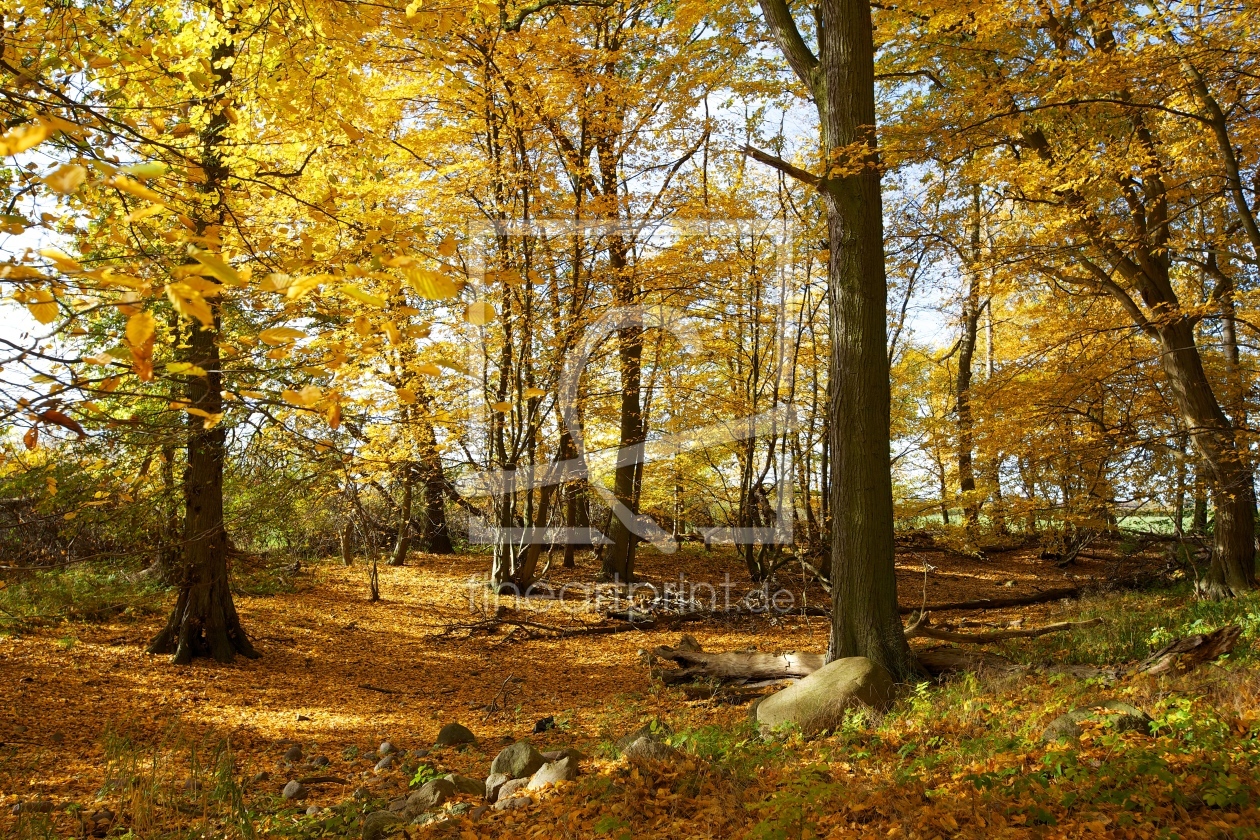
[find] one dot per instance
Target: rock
(420, 752)
(648, 749)
(264, 776)
(514, 803)
(386, 763)
(293, 753)
(476, 813)
(452, 734)
(1114, 714)
(494, 783)
(544, 724)
(294, 790)
(301, 717)
(377, 823)
(424, 819)
(518, 760)
(567, 752)
(464, 784)
(192, 785)
(564, 770)
(362, 793)
(430, 795)
(510, 788)
(320, 761)
(312, 810)
(460, 807)
(819, 701)
(386, 748)
(656, 729)
(396, 805)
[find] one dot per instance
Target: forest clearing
(629, 418)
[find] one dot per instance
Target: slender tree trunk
(204, 620)
(347, 544)
(966, 355)
(402, 539)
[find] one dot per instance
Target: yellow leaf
(479, 313)
(333, 415)
(134, 187)
(253, 395)
(447, 246)
(280, 335)
(306, 397)
(23, 137)
(501, 406)
(212, 420)
(189, 303)
(101, 359)
(43, 306)
(363, 297)
(142, 213)
(150, 169)
(66, 179)
(353, 133)
(431, 285)
(299, 286)
(62, 260)
(185, 368)
(140, 328)
(406, 396)
(428, 369)
(530, 393)
(391, 330)
(217, 267)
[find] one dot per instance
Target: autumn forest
(629, 419)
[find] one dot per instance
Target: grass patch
(74, 594)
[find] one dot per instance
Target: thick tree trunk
(204, 621)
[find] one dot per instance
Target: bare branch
(783, 166)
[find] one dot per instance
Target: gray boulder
(567, 752)
(294, 790)
(1114, 714)
(463, 784)
(819, 701)
(386, 763)
(518, 760)
(430, 795)
(658, 730)
(493, 785)
(377, 824)
(509, 789)
(564, 770)
(293, 753)
(386, 748)
(647, 749)
(452, 734)
(514, 803)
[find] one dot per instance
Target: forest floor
(87, 719)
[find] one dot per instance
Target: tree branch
(783, 166)
(788, 37)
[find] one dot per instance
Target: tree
(840, 79)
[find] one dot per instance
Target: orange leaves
(140, 329)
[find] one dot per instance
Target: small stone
(58, 737)
(452, 734)
(518, 760)
(424, 819)
(509, 789)
(648, 749)
(514, 803)
(658, 730)
(420, 752)
(192, 786)
(361, 793)
(293, 753)
(476, 813)
(543, 724)
(320, 761)
(294, 790)
(386, 748)
(312, 810)
(261, 777)
(377, 823)
(386, 763)
(567, 752)
(460, 808)
(302, 717)
(553, 772)
(464, 784)
(430, 795)
(494, 783)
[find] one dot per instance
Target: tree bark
(841, 78)
(204, 621)
(966, 355)
(402, 540)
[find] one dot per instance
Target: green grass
(74, 594)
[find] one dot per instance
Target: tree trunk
(864, 620)
(966, 355)
(347, 544)
(204, 621)
(402, 541)
(1233, 558)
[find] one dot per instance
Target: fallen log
(735, 666)
(921, 627)
(1191, 651)
(999, 603)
